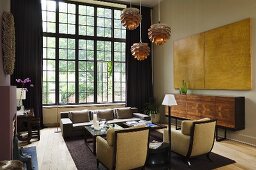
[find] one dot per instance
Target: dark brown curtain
(29, 50)
(139, 73)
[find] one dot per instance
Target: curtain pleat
(139, 73)
(29, 50)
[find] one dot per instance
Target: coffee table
(159, 156)
(91, 134)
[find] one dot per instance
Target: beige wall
(188, 17)
(4, 79)
(50, 113)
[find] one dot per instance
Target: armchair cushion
(79, 116)
(124, 113)
(186, 125)
(107, 114)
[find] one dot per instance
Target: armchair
(123, 149)
(194, 139)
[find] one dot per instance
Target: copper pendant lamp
(159, 33)
(130, 18)
(140, 50)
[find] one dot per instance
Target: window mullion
(95, 56)
(112, 57)
(76, 59)
(57, 56)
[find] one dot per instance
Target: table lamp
(20, 95)
(169, 100)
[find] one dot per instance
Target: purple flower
(23, 82)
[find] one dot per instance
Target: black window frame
(78, 37)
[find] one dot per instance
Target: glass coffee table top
(103, 130)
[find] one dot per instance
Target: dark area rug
(85, 159)
(31, 151)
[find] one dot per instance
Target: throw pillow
(107, 114)
(124, 113)
(79, 116)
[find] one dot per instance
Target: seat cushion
(186, 125)
(124, 113)
(107, 114)
(79, 116)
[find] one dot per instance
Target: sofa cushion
(107, 114)
(186, 125)
(79, 116)
(124, 113)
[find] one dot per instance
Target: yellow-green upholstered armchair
(195, 138)
(123, 149)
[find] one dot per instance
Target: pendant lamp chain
(140, 22)
(159, 11)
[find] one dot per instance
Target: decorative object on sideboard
(169, 100)
(8, 42)
(159, 33)
(140, 50)
(184, 88)
(130, 18)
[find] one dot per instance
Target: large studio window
(83, 53)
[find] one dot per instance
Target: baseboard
(249, 140)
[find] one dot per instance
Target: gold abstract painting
(227, 57)
(188, 61)
(215, 59)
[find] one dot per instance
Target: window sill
(83, 105)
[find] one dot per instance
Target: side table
(159, 156)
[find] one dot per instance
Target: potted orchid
(21, 92)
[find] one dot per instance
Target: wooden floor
(52, 153)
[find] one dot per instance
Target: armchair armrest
(104, 152)
(141, 116)
(66, 126)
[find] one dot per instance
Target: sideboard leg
(218, 138)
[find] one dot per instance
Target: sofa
(72, 122)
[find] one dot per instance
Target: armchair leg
(208, 156)
(188, 162)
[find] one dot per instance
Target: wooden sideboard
(229, 111)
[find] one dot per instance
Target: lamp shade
(140, 51)
(169, 100)
(21, 93)
(131, 18)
